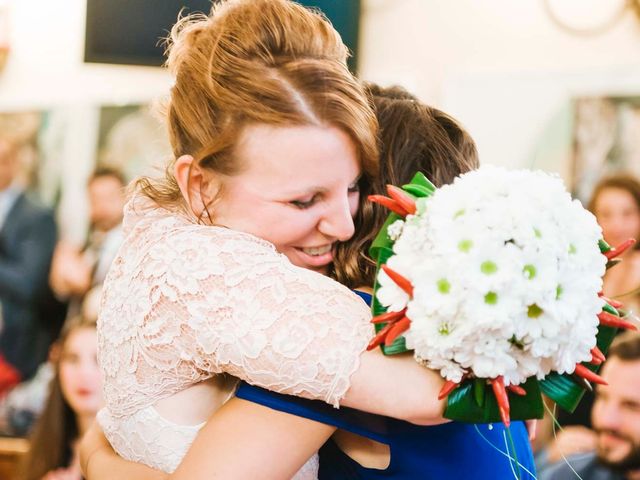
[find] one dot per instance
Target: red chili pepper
(597, 353)
(398, 328)
(610, 320)
(614, 303)
(595, 360)
(388, 203)
(448, 387)
(517, 389)
(587, 374)
(389, 316)
(503, 400)
(380, 336)
(620, 249)
(403, 198)
(399, 280)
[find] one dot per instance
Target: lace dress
(185, 302)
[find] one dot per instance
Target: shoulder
(211, 243)
(29, 206)
(583, 464)
(28, 214)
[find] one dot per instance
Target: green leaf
(417, 191)
(604, 246)
(382, 242)
(478, 390)
(420, 179)
(463, 406)
(562, 389)
(382, 249)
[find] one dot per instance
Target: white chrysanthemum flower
(505, 269)
(395, 229)
(389, 293)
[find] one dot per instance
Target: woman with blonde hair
(220, 269)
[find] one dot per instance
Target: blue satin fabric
(449, 451)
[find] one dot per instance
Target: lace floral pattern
(183, 302)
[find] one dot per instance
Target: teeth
(315, 251)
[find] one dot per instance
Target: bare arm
(245, 440)
(242, 440)
(99, 461)
(396, 386)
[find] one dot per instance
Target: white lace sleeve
(207, 300)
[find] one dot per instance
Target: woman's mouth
(314, 257)
(317, 251)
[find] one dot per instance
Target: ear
(195, 185)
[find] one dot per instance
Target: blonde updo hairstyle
(256, 62)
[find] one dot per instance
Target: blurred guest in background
(77, 273)
(612, 450)
(22, 405)
(74, 398)
(27, 240)
(616, 204)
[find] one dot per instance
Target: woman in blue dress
(260, 434)
(413, 137)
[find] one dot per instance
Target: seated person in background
(27, 240)
(612, 451)
(74, 398)
(616, 205)
(22, 405)
(77, 273)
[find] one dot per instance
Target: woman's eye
(69, 358)
(354, 187)
(302, 204)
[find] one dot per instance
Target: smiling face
(298, 189)
(80, 375)
(618, 214)
(616, 414)
(106, 200)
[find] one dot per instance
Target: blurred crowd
(50, 383)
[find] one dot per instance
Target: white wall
(45, 67)
(45, 71)
(500, 66)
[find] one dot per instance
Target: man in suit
(27, 240)
(77, 273)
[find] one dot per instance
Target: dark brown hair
(56, 430)
(270, 62)
(101, 172)
(413, 137)
(622, 181)
(626, 346)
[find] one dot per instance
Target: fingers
(532, 425)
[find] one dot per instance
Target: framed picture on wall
(606, 140)
(59, 148)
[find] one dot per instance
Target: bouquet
(495, 282)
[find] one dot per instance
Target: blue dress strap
(355, 421)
